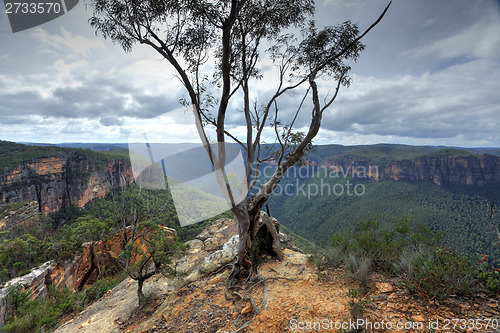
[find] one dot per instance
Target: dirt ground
(299, 299)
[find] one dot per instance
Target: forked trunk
(259, 236)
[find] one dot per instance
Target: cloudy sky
(430, 75)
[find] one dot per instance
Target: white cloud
(76, 44)
(69, 69)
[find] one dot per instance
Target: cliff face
(469, 170)
(441, 169)
(61, 181)
(80, 273)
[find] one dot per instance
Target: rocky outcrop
(34, 281)
(210, 246)
(96, 258)
(215, 246)
(216, 259)
(75, 274)
(211, 250)
(23, 215)
(439, 168)
(71, 179)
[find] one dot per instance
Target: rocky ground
(311, 303)
(297, 299)
(293, 293)
(386, 302)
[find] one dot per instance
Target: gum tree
(218, 49)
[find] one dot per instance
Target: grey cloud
(397, 92)
(430, 106)
(16, 119)
(111, 121)
(20, 103)
(92, 98)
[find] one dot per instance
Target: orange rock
(246, 309)
(384, 287)
(57, 179)
(84, 272)
(264, 315)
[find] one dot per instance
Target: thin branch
(351, 44)
(334, 96)
(296, 115)
(282, 146)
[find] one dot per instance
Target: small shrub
(37, 316)
(358, 303)
(31, 315)
(443, 273)
(329, 257)
(488, 275)
(100, 288)
(17, 297)
(334, 256)
(359, 267)
(404, 266)
(381, 245)
(318, 259)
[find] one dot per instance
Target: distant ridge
(91, 145)
(321, 150)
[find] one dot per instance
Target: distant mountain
(321, 151)
(405, 182)
(91, 146)
(389, 151)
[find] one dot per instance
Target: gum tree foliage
(216, 48)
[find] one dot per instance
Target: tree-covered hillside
(389, 152)
(458, 211)
(13, 154)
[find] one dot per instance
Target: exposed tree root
(245, 292)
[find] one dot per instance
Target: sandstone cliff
(70, 179)
(446, 169)
(82, 272)
(442, 168)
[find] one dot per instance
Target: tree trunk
(140, 294)
(259, 236)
